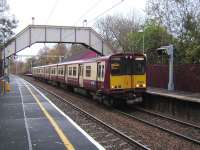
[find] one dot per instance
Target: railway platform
(180, 95)
(29, 120)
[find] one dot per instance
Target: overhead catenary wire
(88, 11)
(107, 10)
(52, 10)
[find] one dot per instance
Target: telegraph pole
(2, 9)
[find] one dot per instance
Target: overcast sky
(68, 12)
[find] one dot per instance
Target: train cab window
(74, 71)
(116, 66)
(139, 66)
(70, 71)
(88, 71)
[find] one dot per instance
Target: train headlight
(112, 87)
(144, 85)
(137, 85)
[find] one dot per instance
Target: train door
(81, 75)
(66, 73)
(100, 74)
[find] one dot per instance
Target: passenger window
(88, 71)
(70, 71)
(74, 71)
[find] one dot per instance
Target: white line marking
(25, 120)
(68, 118)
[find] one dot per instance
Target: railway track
(152, 136)
(105, 130)
(173, 126)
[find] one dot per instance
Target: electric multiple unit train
(117, 78)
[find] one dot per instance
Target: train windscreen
(139, 66)
(127, 65)
(117, 66)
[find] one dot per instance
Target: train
(115, 79)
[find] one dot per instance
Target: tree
(8, 22)
(182, 20)
(116, 29)
(52, 55)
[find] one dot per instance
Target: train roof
(90, 60)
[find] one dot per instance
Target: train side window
(74, 71)
(61, 71)
(88, 71)
(70, 71)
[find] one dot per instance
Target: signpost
(170, 52)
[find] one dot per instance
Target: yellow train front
(127, 80)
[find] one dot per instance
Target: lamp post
(3, 50)
(143, 41)
(142, 31)
(85, 22)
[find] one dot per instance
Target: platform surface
(24, 124)
(181, 95)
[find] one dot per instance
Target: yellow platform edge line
(59, 131)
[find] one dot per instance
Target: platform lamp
(169, 50)
(85, 23)
(142, 32)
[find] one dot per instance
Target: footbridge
(57, 34)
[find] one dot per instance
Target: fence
(186, 77)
